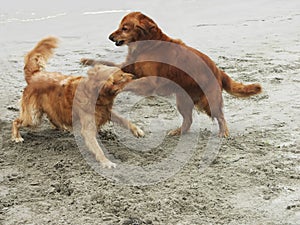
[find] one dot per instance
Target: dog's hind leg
(213, 106)
(29, 117)
(223, 129)
(16, 136)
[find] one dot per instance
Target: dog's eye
(124, 28)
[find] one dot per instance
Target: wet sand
(253, 179)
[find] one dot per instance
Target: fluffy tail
(238, 89)
(36, 59)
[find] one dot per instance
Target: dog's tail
(36, 59)
(239, 89)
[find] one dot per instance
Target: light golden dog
(193, 77)
(67, 99)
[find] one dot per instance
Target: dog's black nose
(111, 37)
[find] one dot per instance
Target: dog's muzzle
(117, 42)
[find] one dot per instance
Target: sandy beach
(252, 177)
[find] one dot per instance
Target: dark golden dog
(193, 77)
(65, 99)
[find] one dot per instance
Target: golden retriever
(67, 99)
(193, 77)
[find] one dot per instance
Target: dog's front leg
(93, 62)
(89, 131)
(144, 86)
(185, 106)
(135, 130)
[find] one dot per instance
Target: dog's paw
(175, 132)
(86, 62)
(223, 134)
(108, 164)
(138, 132)
(17, 139)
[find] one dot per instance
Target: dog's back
(46, 92)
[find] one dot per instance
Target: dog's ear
(146, 25)
(146, 28)
(108, 88)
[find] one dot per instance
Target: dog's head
(116, 82)
(135, 27)
(110, 80)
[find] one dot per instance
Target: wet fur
(53, 94)
(136, 27)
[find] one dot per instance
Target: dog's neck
(137, 47)
(154, 42)
(105, 101)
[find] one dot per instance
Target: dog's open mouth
(119, 43)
